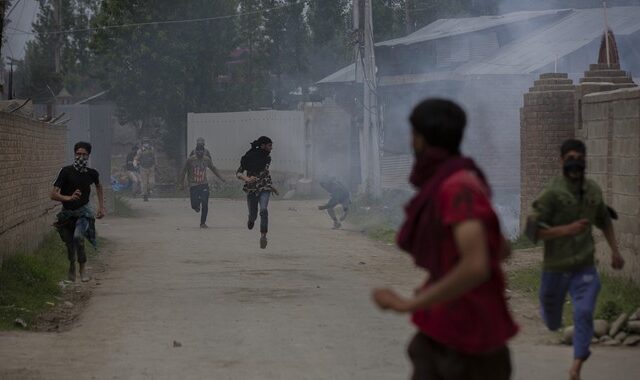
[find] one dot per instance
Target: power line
(167, 22)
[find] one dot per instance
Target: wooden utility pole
(57, 14)
(3, 6)
(366, 71)
(606, 34)
(372, 111)
(408, 18)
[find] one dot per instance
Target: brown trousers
(434, 361)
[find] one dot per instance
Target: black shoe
(196, 209)
(204, 225)
(263, 242)
(250, 224)
(145, 198)
(336, 225)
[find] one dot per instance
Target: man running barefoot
(563, 216)
(254, 171)
(196, 171)
(76, 221)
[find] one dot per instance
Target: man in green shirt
(563, 216)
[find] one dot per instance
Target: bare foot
(574, 372)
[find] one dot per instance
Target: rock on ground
(600, 328)
(621, 336)
(632, 340)
(605, 338)
(617, 325)
(634, 327)
(567, 335)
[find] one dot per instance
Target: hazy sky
(21, 17)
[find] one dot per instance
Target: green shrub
(28, 281)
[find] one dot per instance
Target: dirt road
(298, 310)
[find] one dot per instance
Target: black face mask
(574, 168)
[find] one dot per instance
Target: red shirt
(479, 320)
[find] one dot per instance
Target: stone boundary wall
(31, 154)
(611, 130)
(546, 120)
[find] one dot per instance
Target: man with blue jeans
(563, 216)
(258, 183)
(259, 201)
(76, 221)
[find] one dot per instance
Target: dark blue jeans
(200, 200)
(583, 286)
(72, 233)
(259, 200)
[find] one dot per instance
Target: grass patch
(28, 281)
(379, 218)
(617, 295)
(122, 207)
(383, 234)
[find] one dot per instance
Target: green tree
(330, 36)
(37, 75)
(158, 73)
(287, 37)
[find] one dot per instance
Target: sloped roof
(345, 74)
(576, 29)
(543, 47)
(455, 26)
(64, 93)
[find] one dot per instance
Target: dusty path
(298, 310)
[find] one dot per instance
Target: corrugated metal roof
(542, 47)
(395, 171)
(563, 37)
(455, 26)
(346, 74)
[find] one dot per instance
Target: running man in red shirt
(452, 232)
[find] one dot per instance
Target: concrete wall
(328, 135)
(31, 154)
(229, 134)
(611, 130)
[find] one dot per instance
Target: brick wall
(547, 119)
(31, 153)
(611, 130)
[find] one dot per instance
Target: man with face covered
(76, 221)
(196, 171)
(200, 145)
(563, 216)
(451, 230)
(254, 172)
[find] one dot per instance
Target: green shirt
(559, 204)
